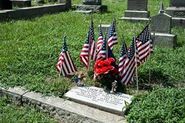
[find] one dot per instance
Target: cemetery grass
(11, 113)
(29, 49)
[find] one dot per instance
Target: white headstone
(97, 97)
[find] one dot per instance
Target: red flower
(105, 66)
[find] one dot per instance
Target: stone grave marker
(5, 4)
(21, 3)
(161, 25)
(90, 6)
(137, 10)
(105, 28)
(177, 11)
(98, 98)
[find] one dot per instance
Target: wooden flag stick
(137, 81)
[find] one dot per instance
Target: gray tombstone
(21, 3)
(177, 11)
(137, 10)
(5, 4)
(92, 2)
(90, 6)
(161, 25)
(177, 3)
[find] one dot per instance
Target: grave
(98, 98)
(5, 4)
(21, 3)
(177, 11)
(161, 25)
(105, 28)
(137, 10)
(90, 6)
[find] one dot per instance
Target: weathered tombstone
(90, 6)
(177, 11)
(161, 25)
(5, 4)
(104, 27)
(21, 3)
(137, 10)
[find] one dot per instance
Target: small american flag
(129, 65)
(100, 39)
(65, 65)
(122, 59)
(92, 42)
(105, 51)
(112, 40)
(84, 55)
(144, 45)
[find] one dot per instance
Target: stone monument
(137, 10)
(21, 3)
(161, 25)
(177, 11)
(5, 4)
(90, 6)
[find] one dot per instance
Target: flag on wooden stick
(112, 35)
(84, 55)
(144, 45)
(129, 66)
(65, 65)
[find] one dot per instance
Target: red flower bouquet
(105, 66)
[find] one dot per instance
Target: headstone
(137, 10)
(21, 3)
(98, 98)
(161, 25)
(92, 2)
(104, 27)
(90, 6)
(5, 4)
(177, 11)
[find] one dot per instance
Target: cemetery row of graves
(30, 50)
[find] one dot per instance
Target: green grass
(160, 106)
(29, 49)
(10, 113)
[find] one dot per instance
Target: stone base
(104, 27)
(178, 21)
(165, 40)
(21, 3)
(139, 14)
(134, 15)
(93, 8)
(176, 11)
(134, 19)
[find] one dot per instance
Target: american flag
(92, 42)
(65, 65)
(84, 55)
(112, 40)
(105, 51)
(122, 59)
(129, 65)
(100, 39)
(144, 45)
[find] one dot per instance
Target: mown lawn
(11, 113)
(29, 50)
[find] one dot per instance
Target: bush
(159, 106)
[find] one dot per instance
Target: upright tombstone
(90, 6)
(137, 10)
(161, 25)
(5, 4)
(177, 11)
